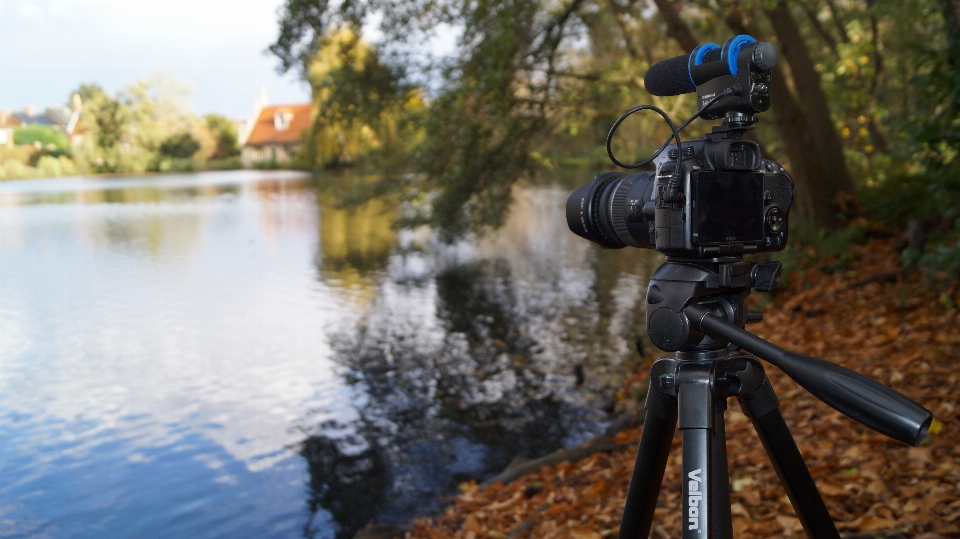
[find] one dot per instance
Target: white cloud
(31, 10)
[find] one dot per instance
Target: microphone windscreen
(669, 77)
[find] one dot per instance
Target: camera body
(733, 202)
(722, 198)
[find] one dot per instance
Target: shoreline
(896, 331)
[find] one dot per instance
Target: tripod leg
(659, 424)
(697, 412)
(722, 520)
(764, 411)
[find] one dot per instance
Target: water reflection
(230, 354)
(355, 247)
(466, 355)
(159, 356)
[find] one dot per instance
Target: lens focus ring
(618, 211)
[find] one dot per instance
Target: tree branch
(815, 22)
(838, 22)
(676, 28)
(618, 16)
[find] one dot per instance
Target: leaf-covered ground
(903, 331)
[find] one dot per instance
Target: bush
(932, 201)
(49, 167)
(226, 134)
(230, 163)
(270, 164)
(176, 165)
(179, 146)
(17, 153)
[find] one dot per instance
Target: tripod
(696, 308)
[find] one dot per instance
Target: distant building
(274, 133)
(8, 122)
(8, 119)
(62, 117)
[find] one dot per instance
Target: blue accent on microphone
(696, 57)
(702, 51)
(731, 49)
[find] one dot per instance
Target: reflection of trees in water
(454, 401)
(355, 245)
(490, 381)
(346, 478)
(464, 356)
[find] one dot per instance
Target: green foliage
(535, 84)
(268, 164)
(180, 145)
(225, 134)
(929, 193)
(177, 164)
(53, 167)
(941, 256)
(47, 166)
(49, 137)
(125, 132)
(913, 196)
(230, 163)
(364, 114)
(103, 116)
(830, 250)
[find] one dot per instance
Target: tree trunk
(821, 149)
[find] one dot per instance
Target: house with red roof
(275, 133)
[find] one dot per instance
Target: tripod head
(699, 306)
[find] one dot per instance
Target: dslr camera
(712, 197)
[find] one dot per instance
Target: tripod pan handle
(858, 397)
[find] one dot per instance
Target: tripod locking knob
(754, 316)
(766, 276)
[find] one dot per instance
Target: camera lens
(609, 211)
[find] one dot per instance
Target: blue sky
(49, 47)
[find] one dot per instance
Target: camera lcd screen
(728, 207)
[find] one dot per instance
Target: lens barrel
(609, 211)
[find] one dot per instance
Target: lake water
(228, 354)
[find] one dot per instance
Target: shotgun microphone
(682, 74)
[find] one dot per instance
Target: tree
(103, 116)
(124, 133)
(225, 133)
(361, 105)
(159, 107)
(481, 129)
(181, 145)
